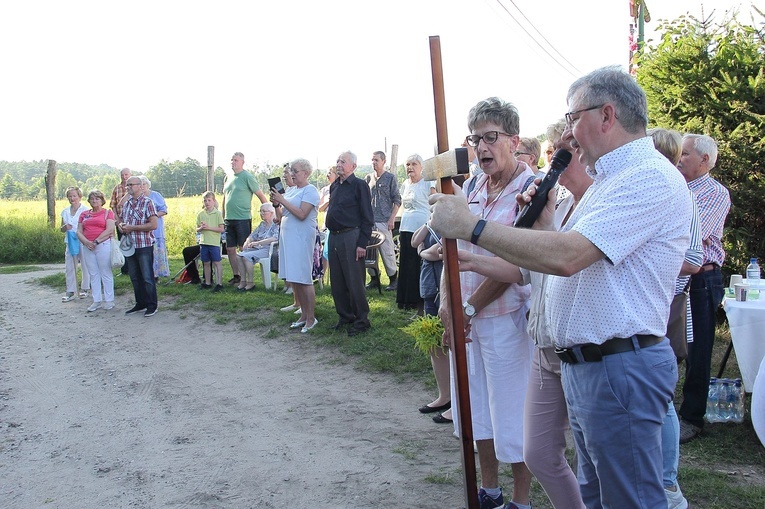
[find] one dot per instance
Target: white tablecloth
(747, 330)
(758, 404)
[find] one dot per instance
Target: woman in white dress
(414, 200)
(297, 209)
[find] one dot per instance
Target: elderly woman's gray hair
(302, 165)
(555, 131)
(414, 157)
(495, 111)
(145, 180)
(612, 85)
(268, 207)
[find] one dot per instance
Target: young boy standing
(210, 225)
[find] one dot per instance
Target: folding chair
(370, 260)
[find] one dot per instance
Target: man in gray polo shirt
(385, 203)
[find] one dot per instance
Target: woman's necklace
(499, 191)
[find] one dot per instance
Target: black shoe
(430, 409)
(149, 313)
(339, 326)
(234, 280)
(196, 281)
(393, 285)
(217, 288)
(204, 286)
(440, 419)
(373, 284)
(355, 331)
(134, 309)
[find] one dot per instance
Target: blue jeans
(616, 408)
(706, 294)
(670, 446)
(141, 270)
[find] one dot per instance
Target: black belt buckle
(566, 355)
(592, 353)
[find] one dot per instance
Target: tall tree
(710, 78)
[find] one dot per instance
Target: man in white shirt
(619, 255)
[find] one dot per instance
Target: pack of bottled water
(725, 402)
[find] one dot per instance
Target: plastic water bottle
(753, 279)
(731, 401)
(723, 391)
(713, 402)
(753, 272)
(738, 410)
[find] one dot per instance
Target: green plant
(427, 332)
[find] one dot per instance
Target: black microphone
(531, 211)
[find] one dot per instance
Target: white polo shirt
(638, 213)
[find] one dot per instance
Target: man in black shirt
(349, 220)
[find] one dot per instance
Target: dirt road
(106, 410)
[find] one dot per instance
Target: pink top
(503, 211)
(94, 223)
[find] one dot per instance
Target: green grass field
(25, 236)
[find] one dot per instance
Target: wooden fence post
(211, 168)
(393, 159)
(50, 191)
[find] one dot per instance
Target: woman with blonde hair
(298, 211)
(70, 218)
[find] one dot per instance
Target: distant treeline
(26, 180)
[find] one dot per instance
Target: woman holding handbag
(70, 218)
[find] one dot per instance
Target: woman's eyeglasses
(489, 138)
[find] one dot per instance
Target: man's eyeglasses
(131, 185)
(518, 154)
(489, 137)
(570, 120)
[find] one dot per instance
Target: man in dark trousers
(349, 220)
(139, 220)
(698, 157)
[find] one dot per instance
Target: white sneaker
(83, 294)
(94, 306)
(291, 307)
(675, 499)
(67, 298)
(299, 311)
(108, 305)
(288, 291)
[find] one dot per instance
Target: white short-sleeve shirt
(638, 213)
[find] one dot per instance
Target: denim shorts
(209, 253)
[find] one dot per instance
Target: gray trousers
(387, 252)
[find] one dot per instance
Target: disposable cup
(742, 291)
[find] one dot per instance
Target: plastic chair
(266, 269)
(370, 260)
